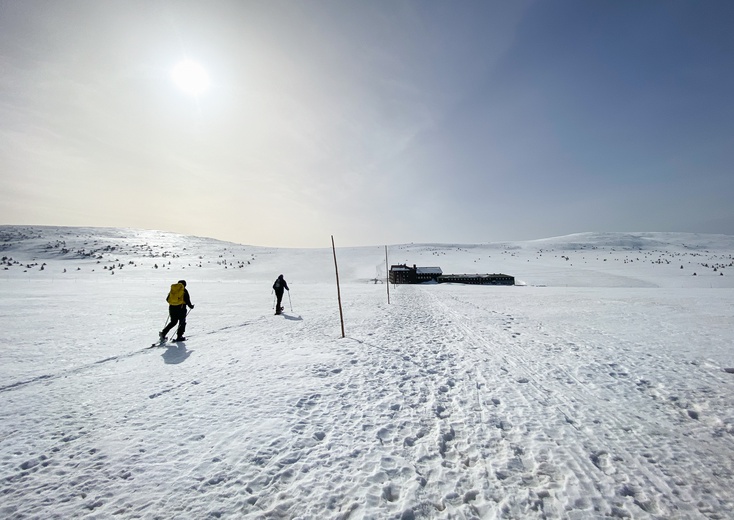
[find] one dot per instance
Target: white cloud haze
(379, 122)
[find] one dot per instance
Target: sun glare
(190, 77)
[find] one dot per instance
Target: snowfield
(600, 386)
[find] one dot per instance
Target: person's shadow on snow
(176, 354)
(289, 317)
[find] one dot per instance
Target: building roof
(477, 275)
(418, 270)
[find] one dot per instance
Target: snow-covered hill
(600, 388)
(586, 259)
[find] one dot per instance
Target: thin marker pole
(387, 281)
(338, 291)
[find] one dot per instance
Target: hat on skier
(182, 282)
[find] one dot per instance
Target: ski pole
(166, 323)
(289, 301)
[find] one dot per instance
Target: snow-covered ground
(600, 386)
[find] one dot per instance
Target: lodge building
(403, 274)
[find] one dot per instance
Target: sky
(376, 122)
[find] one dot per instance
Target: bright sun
(190, 77)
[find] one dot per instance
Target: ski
(166, 341)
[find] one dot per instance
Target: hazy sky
(379, 122)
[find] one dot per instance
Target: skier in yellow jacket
(178, 299)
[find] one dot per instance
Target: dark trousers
(279, 296)
(178, 315)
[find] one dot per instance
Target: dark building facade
(404, 274)
(478, 279)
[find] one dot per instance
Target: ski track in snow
(623, 440)
(452, 402)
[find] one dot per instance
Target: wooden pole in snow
(338, 291)
(387, 282)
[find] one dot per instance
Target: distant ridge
(644, 259)
(647, 240)
(638, 240)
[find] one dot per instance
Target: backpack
(176, 296)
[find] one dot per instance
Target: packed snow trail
(498, 426)
(459, 416)
(612, 436)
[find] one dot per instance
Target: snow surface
(601, 386)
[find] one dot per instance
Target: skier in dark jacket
(177, 312)
(278, 287)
